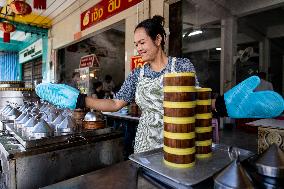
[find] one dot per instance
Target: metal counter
(152, 163)
(31, 168)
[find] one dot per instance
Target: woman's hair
(153, 27)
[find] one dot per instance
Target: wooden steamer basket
(91, 122)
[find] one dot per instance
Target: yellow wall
(68, 23)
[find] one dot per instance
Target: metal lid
(23, 107)
(233, 176)
(7, 110)
(31, 122)
(271, 162)
(13, 114)
(51, 117)
(58, 120)
(20, 117)
(25, 119)
(90, 116)
(67, 125)
(42, 127)
(3, 108)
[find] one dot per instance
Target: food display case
(87, 77)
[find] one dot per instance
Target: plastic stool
(215, 126)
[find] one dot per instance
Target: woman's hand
(242, 102)
(65, 96)
(60, 95)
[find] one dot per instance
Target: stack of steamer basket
(203, 123)
(179, 119)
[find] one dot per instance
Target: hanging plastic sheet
(8, 66)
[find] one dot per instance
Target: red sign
(89, 61)
(103, 10)
(136, 62)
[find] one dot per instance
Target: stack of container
(203, 125)
(179, 119)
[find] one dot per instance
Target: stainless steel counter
(44, 165)
(152, 162)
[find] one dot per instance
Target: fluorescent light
(195, 32)
(218, 49)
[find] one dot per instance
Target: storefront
(31, 63)
(108, 34)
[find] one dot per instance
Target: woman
(144, 85)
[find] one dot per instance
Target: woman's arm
(105, 105)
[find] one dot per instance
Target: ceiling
(32, 26)
(38, 17)
(256, 25)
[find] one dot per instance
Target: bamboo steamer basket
(91, 122)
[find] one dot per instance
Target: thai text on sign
(89, 61)
(103, 10)
(136, 62)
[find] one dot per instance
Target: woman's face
(146, 47)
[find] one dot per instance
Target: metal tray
(152, 162)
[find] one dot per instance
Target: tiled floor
(239, 138)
